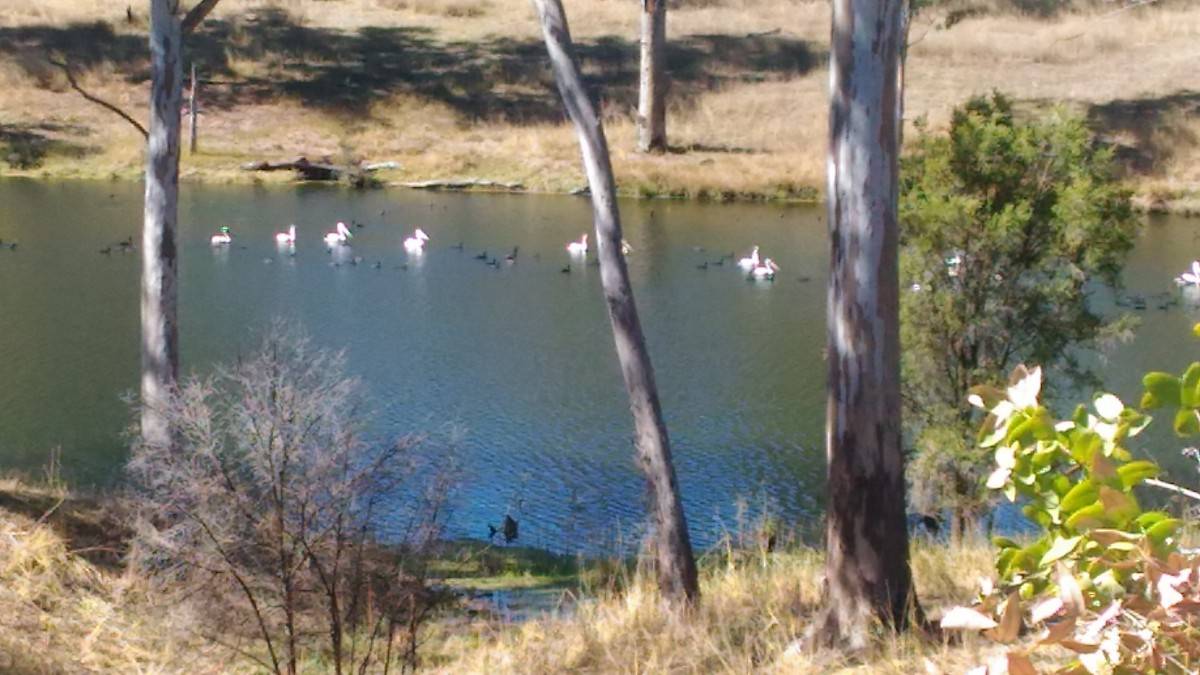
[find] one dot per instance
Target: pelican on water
(416, 243)
(223, 238)
(339, 236)
(750, 262)
(766, 270)
(578, 247)
(1191, 278)
(288, 238)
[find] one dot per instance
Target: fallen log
(319, 171)
(460, 184)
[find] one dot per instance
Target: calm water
(520, 357)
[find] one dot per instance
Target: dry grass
(453, 88)
(754, 609)
(61, 613)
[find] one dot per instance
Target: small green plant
(1106, 579)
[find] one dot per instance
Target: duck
(223, 238)
(416, 243)
(750, 262)
(287, 238)
(339, 236)
(512, 257)
(1190, 278)
(766, 270)
(578, 247)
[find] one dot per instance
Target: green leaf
(1196, 330)
(1119, 507)
(1162, 391)
(1187, 389)
(1135, 472)
(1084, 493)
(1062, 546)
(1149, 518)
(1088, 517)
(1186, 423)
(1003, 542)
(1164, 528)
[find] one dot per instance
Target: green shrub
(1006, 225)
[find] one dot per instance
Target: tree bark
(160, 332)
(652, 93)
(868, 577)
(676, 566)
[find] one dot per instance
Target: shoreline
(1144, 202)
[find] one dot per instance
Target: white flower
(1024, 394)
(1108, 406)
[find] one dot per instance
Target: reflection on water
(518, 355)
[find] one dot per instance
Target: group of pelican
(758, 268)
(339, 236)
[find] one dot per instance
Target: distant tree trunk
(652, 94)
(192, 113)
(676, 566)
(867, 568)
(160, 331)
(901, 64)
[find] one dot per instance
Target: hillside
(460, 88)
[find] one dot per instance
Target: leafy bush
(267, 505)
(1106, 579)
(1006, 225)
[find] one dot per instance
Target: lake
(519, 357)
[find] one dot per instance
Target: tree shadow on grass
(267, 55)
(1145, 133)
(26, 146)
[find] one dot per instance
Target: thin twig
(1173, 488)
(98, 101)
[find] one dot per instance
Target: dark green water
(520, 357)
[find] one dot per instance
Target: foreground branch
(1173, 488)
(62, 65)
(197, 14)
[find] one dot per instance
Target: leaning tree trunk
(652, 94)
(676, 566)
(160, 331)
(867, 568)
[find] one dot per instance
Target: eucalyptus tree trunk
(676, 566)
(160, 330)
(652, 93)
(868, 578)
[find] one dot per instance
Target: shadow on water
(347, 71)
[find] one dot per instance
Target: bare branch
(197, 14)
(1173, 488)
(66, 68)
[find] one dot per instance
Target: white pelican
(578, 247)
(1191, 278)
(416, 243)
(766, 270)
(750, 262)
(288, 238)
(223, 238)
(340, 236)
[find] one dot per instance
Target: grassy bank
(459, 88)
(69, 606)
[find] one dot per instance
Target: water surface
(520, 357)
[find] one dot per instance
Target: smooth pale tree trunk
(160, 331)
(652, 93)
(901, 65)
(868, 578)
(192, 113)
(676, 566)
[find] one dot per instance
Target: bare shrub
(267, 513)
